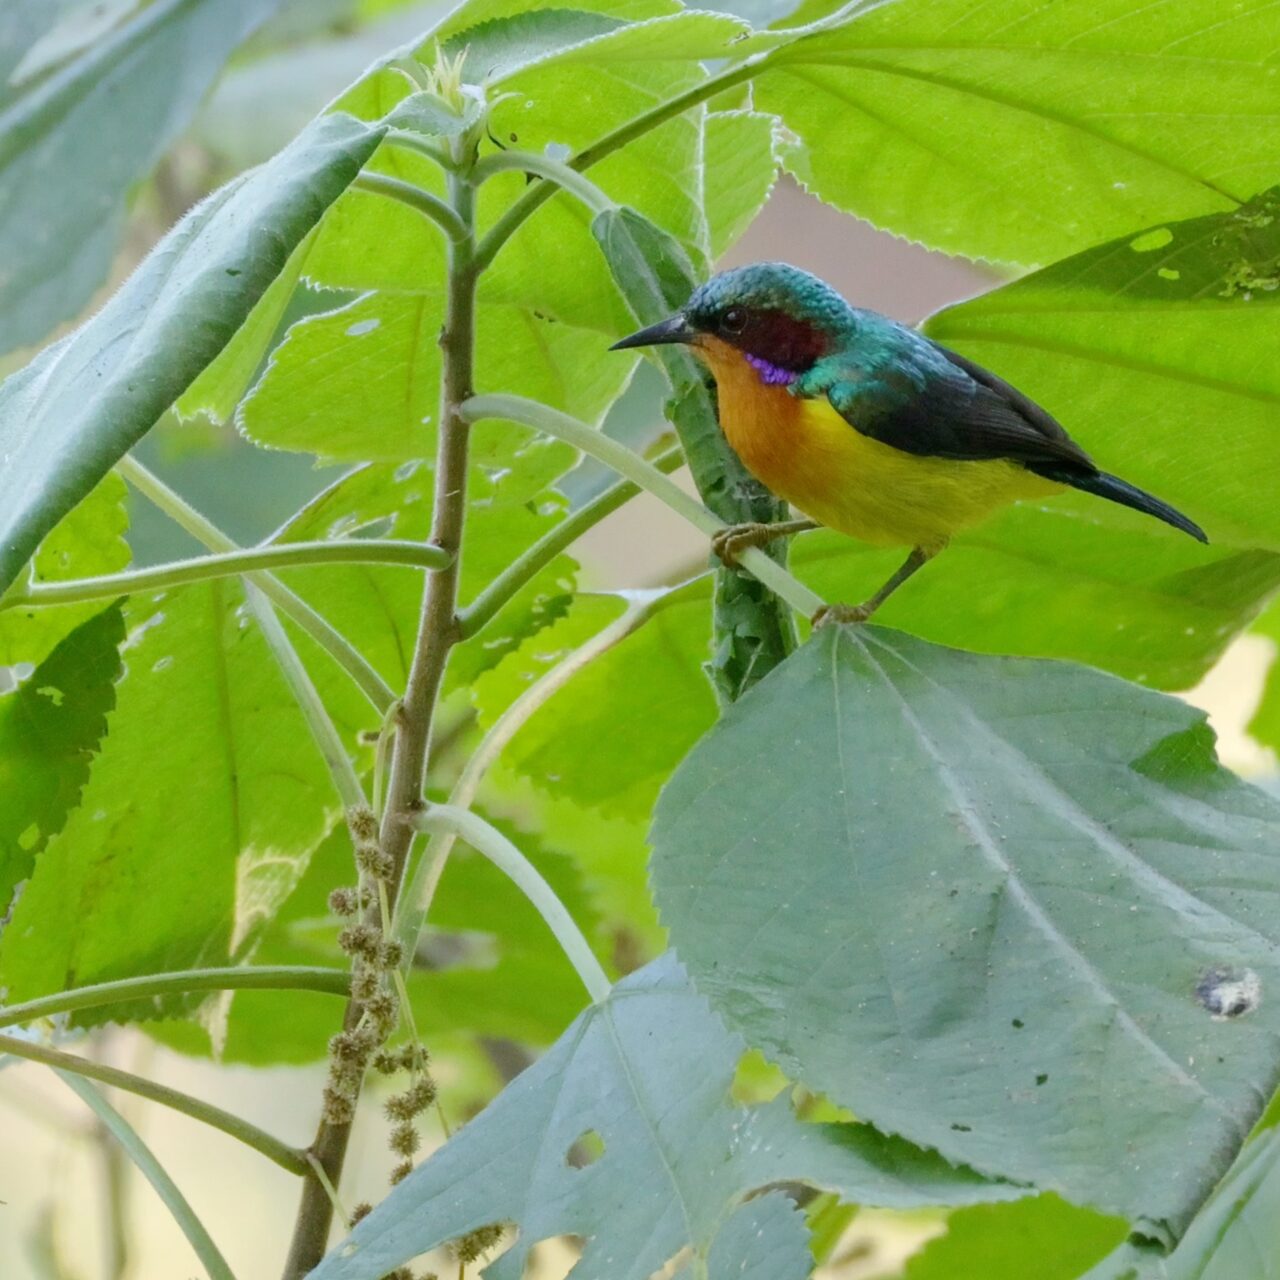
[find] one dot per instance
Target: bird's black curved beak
(674, 329)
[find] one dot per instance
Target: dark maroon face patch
(780, 339)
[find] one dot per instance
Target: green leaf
(509, 507)
(87, 542)
(199, 815)
(1073, 578)
(764, 1239)
(74, 141)
(1023, 132)
(753, 630)
(50, 727)
(1013, 910)
(1192, 415)
(648, 1071)
(487, 966)
(995, 1242)
(650, 681)
(738, 173)
(363, 382)
(73, 411)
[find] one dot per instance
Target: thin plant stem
(415, 901)
(438, 632)
(323, 730)
(332, 641)
(488, 840)
(154, 1172)
(276, 555)
(423, 202)
(335, 982)
(501, 589)
(630, 464)
(287, 1157)
(563, 175)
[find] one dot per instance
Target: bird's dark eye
(734, 320)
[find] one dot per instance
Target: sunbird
(868, 427)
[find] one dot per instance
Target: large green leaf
(199, 815)
(648, 1071)
(1010, 909)
(50, 726)
(1023, 132)
(81, 404)
(75, 140)
(995, 1241)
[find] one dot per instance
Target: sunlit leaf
(88, 541)
(185, 868)
(995, 1241)
(1013, 910)
(1022, 132)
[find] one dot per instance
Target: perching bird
(866, 425)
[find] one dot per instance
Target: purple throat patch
(771, 375)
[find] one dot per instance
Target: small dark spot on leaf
(514, 138)
(1018, 1023)
(1042, 1078)
(233, 271)
(962, 1128)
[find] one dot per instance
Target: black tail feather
(1127, 495)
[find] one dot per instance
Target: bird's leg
(838, 613)
(734, 539)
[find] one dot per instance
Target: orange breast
(763, 423)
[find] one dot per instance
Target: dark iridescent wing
(949, 407)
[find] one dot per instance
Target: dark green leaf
(1023, 132)
(1009, 909)
(69, 415)
(75, 140)
(50, 727)
(648, 1071)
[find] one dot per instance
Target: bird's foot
(838, 615)
(729, 543)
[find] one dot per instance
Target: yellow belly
(805, 452)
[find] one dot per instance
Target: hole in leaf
(554, 1258)
(585, 1150)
